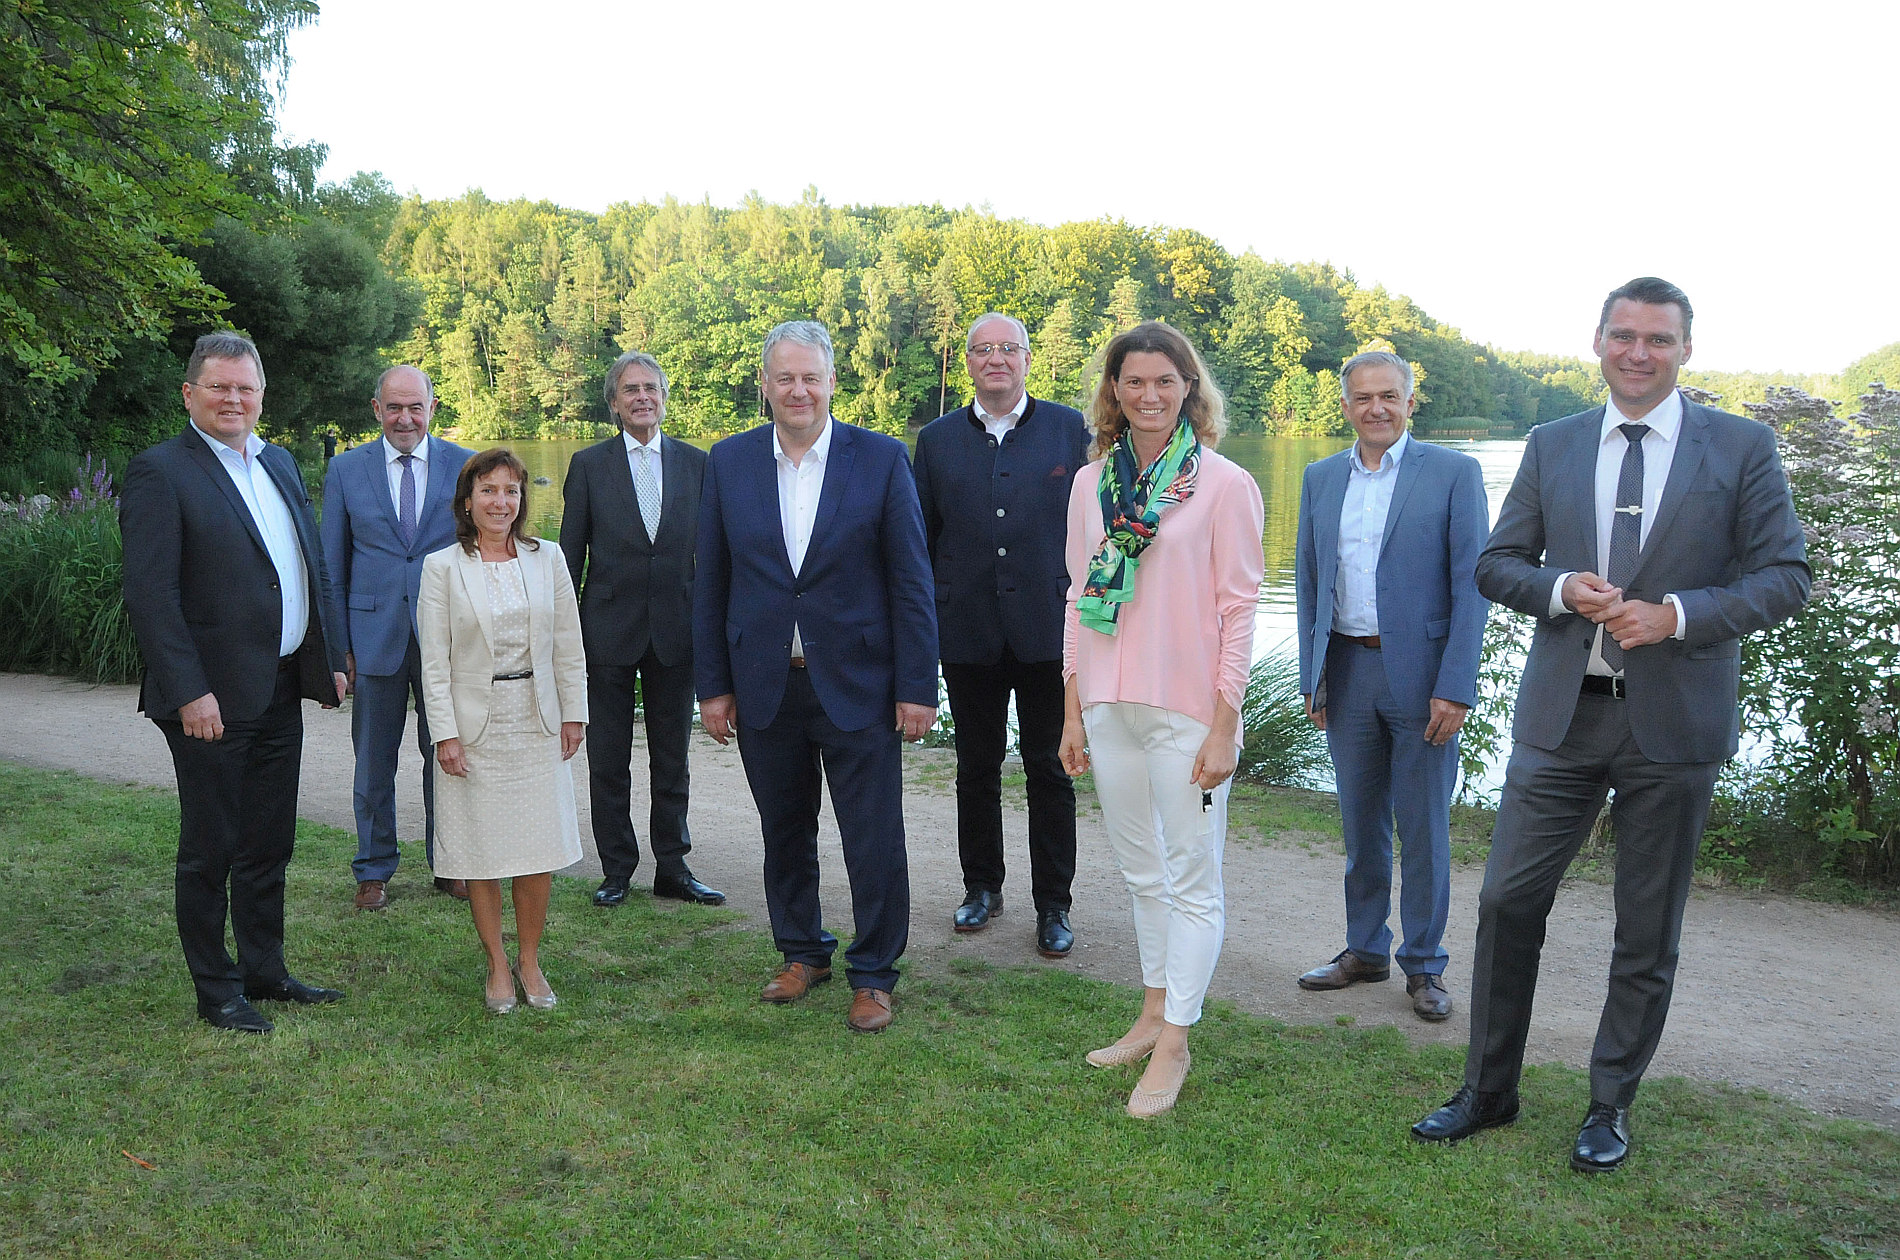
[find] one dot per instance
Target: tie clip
(1633, 509)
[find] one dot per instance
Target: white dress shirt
(1659, 452)
(275, 525)
(392, 463)
(652, 449)
(1361, 537)
(999, 426)
(799, 486)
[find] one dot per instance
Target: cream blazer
(453, 626)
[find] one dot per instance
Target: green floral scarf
(1131, 513)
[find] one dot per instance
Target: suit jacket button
(1002, 551)
(999, 511)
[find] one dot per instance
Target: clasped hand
(1631, 622)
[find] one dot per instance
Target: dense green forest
(145, 197)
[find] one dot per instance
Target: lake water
(1275, 462)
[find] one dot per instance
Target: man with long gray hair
(629, 519)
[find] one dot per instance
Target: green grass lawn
(662, 1111)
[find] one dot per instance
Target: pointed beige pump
(1122, 1055)
(1144, 1105)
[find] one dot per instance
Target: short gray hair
(403, 367)
(1374, 358)
(224, 344)
(804, 332)
(1022, 329)
(634, 358)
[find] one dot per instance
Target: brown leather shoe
(456, 888)
(870, 1011)
(1429, 998)
(793, 981)
(1347, 969)
(370, 895)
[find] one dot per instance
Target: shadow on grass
(662, 1111)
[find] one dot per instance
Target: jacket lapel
(1692, 444)
(214, 468)
(1574, 492)
(376, 469)
(475, 586)
(1408, 477)
(532, 581)
(837, 472)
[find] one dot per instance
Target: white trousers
(1168, 846)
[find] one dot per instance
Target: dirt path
(1786, 996)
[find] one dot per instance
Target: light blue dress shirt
(1361, 537)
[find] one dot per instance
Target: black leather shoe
(1467, 1112)
(977, 910)
(1604, 1141)
(237, 1015)
(611, 892)
(684, 887)
(1053, 937)
(291, 989)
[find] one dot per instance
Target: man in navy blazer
(386, 507)
(226, 590)
(629, 517)
(993, 480)
(1646, 537)
(815, 641)
(1390, 628)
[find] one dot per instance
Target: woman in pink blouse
(1164, 564)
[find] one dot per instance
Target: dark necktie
(406, 500)
(1626, 531)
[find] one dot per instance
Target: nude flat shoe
(1122, 1055)
(1144, 1105)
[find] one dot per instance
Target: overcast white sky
(1505, 165)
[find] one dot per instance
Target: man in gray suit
(1390, 628)
(629, 521)
(1646, 537)
(385, 507)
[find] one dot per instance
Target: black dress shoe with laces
(291, 989)
(1604, 1141)
(1467, 1112)
(237, 1015)
(1053, 937)
(611, 892)
(683, 887)
(977, 910)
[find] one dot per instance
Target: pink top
(1185, 640)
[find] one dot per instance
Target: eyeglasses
(982, 349)
(244, 392)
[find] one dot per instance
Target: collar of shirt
(1665, 419)
(1393, 454)
(634, 444)
(1012, 415)
(252, 445)
(391, 455)
(819, 449)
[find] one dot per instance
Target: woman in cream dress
(505, 687)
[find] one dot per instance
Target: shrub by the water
(60, 565)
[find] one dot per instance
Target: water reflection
(1276, 463)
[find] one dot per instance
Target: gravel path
(1764, 998)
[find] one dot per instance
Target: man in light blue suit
(815, 641)
(386, 505)
(1390, 628)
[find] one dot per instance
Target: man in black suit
(629, 520)
(993, 481)
(226, 589)
(1646, 537)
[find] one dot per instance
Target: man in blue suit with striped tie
(386, 505)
